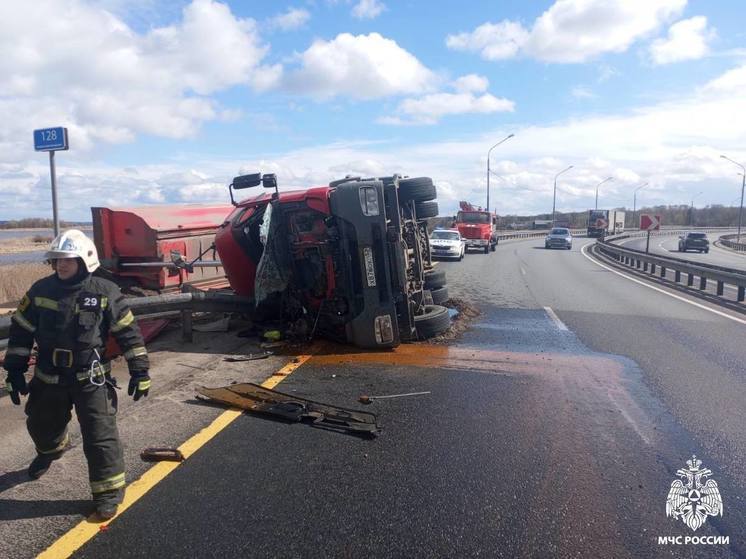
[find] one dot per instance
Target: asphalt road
(552, 428)
(669, 246)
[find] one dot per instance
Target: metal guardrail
(534, 234)
(662, 265)
(726, 241)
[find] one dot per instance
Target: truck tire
(435, 279)
(493, 248)
(487, 249)
(435, 320)
(440, 295)
(426, 209)
(420, 189)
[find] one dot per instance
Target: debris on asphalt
(369, 399)
(249, 357)
(257, 399)
(162, 455)
(463, 314)
(272, 345)
(272, 335)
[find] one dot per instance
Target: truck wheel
(440, 295)
(419, 189)
(426, 209)
(435, 279)
(487, 249)
(493, 247)
(435, 320)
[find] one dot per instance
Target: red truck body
(125, 237)
(477, 227)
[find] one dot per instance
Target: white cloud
(109, 83)
(359, 66)
(571, 31)
(732, 81)
(293, 18)
(495, 41)
(471, 83)
(430, 108)
(582, 92)
(368, 9)
(687, 39)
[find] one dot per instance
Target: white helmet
(74, 244)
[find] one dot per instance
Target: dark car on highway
(694, 241)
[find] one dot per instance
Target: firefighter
(70, 315)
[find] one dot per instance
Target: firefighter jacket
(71, 323)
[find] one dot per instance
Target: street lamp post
(607, 179)
(634, 203)
(488, 166)
(554, 196)
(691, 210)
(743, 185)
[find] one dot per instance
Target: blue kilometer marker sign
(50, 139)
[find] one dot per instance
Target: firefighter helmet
(74, 244)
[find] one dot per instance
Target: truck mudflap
(257, 399)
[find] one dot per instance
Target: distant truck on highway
(478, 227)
(605, 222)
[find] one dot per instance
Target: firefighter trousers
(48, 412)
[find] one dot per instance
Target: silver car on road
(559, 237)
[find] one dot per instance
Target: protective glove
(15, 384)
(139, 384)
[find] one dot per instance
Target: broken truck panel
(257, 399)
(149, 234)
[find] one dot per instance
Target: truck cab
(478, 229)
(350, 260)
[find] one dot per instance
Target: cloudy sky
(167, 100)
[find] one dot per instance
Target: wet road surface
(553, 428)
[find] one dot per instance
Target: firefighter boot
(41, 463)
(107, 503)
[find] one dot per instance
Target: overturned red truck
(351, 259)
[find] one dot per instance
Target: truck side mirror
(247, 181)
(269, 180)
(244, 181)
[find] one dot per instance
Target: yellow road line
(88, 528)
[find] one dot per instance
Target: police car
(447, 243)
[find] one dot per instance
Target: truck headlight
(369, 200)
(384, 329)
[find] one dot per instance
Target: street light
(488, 166)
(743, 185)
(554, 196)
(634, 203)
(691, 209)
(607, 179)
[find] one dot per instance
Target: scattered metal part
(257, 399)
(249, 357)
(162, 455)
(369, 399)
(272, 345)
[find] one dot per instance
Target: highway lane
(554, 427)
(668, 246)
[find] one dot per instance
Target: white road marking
(660, 245)
(560, 325)
(523, 271)
(659, 290)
